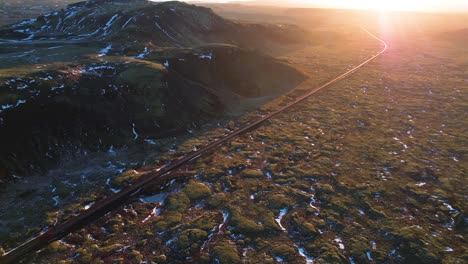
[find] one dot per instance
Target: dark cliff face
(138, 77)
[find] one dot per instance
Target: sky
(386, 5)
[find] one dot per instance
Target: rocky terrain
(102, 74)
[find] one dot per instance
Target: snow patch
(128, 21)
(268, 174)
(225, 218)
(142, 55)
(150, 141)
(110, 22)
(309, 260)
(280, 217)
(8, 106)
(339, 241)
(22, 87)
(57, 87)
(135, 134)
(105, 50)
(25, 22)
(56, 200)
(208, 56)
(86, 207)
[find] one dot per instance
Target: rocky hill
(164, 24)
(109, 73)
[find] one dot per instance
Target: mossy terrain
(370, 170)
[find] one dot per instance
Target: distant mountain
(163, 23)
(110, 73)
(16, 10)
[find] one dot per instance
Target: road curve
(158, 176)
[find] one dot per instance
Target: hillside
(110, 73)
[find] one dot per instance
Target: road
(160, 175)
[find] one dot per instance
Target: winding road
(158, 176)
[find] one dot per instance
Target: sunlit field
(369, 170)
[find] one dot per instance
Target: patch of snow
(448, 249)
(89, 34)
(92, 69)
(105, 50)
(450, 207)
(57, 87)
(208, 56)
(309, 260)
(420, 184)
(155, 212)
(150, 141)
(56, 200)
(54, 47)
(312, 203)
(122, 249)
(142, 55)
(109, 23)
(104, 230)
(114, 190)
(135, 134)
(111, 151)
(225, 218)
(128, 21)
(86, 207)
(401, 142)
(25, 22)
(368, 254)
(280, 217)
(8, 106)
(100, 68)
(70, 15)
(23, 30)
(279, 259)
(166, 64)
(339, 241)
(268, 174)
(22, 87)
